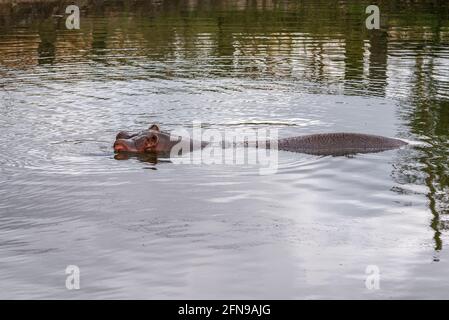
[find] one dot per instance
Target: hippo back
(339, 143)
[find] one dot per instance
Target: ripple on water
(58, 128)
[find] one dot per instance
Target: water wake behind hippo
(154, 140)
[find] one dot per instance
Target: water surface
(140, 229)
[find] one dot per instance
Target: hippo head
(151, 140)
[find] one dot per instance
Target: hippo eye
(141, 142)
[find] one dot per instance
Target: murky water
(223, 231)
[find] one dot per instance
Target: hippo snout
(124, 145)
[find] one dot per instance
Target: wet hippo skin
(339, 143)
(156, 141)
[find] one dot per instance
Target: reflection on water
(182, 231)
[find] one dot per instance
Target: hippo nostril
(124, 145)
(119, 146)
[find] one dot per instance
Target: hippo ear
(154, 127)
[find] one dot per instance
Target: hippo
(153, 140)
